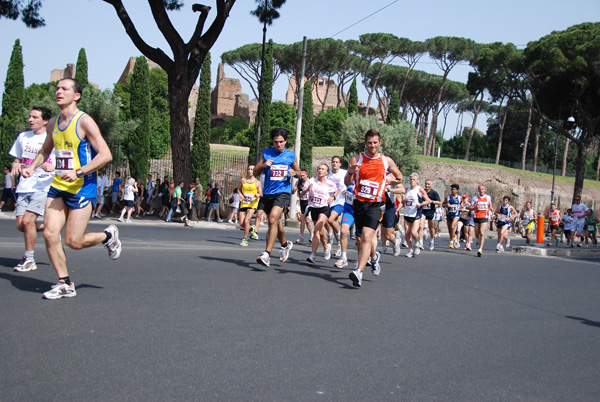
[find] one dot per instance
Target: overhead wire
(368, 16)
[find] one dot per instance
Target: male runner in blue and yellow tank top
(80, 151)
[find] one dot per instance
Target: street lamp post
(571, 121)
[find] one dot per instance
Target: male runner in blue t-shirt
(279, 166)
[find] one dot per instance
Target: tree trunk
(536, 149)
(526, 141)
(471, 132)
(565, 155)
(579, 169)
(180, 129)
(501, 132)
(598, 168)
(424, 130)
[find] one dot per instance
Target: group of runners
(58, 159)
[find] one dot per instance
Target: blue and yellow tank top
(71, 154)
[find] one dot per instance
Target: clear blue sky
(93, 25)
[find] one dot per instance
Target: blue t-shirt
(277, 178)
(116, 183)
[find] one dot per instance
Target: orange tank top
(482, 205)
(370, 178)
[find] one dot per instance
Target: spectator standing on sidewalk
(129, 195)
(215, 201)
(9, 187)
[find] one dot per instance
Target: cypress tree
(393, 109)
(200, 153)
(267, 94)
(81, 68)
(353, 101)
(12, 103)
(308, 129)
(140, 110)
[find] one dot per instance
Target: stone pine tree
(81, 70)
(12, 103)
(308, 129)
(353, 100)
(393, 109)
(139, 144)
(200, 153)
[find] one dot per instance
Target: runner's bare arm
(393, 169)
(426, 200)
(259, 167)
(352, 166)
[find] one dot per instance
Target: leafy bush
(397, 140)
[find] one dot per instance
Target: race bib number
(278, 172)
(349, 197)
(554, 218)
(368, 189)
(316, 200)
(248, 198)
(502, 217)
(428, 206)
(410, 202)
(452, 208)
(482, 206)
(591, 228)
(64, 161)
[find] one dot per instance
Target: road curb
(558, 252)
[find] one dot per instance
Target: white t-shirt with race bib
(338, 180)
(319, 193)
(26, 147)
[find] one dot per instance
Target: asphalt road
(187, 314)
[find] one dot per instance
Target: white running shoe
(26, 265)
(479, 253)
(120, 220)
(61, 289)
(410, 253)
(341, 263)
(376, 268)
(264, 259)
(127, 220)
(113, 244)
(384, 250)
(420, 245)
(397, 247)
(220, 220)
(327, 253)
(338, 252)
(229, 221)
(430, 244)
(457, 244)
(404, 244)
(284, 253)
(356, 277)
(300, 240)
(417, 251)
(507, 243)
(311, 258)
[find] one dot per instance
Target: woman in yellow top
(250, 191)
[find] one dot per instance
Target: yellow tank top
(71, 153)
(249, 198)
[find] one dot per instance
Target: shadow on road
(585, 321)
